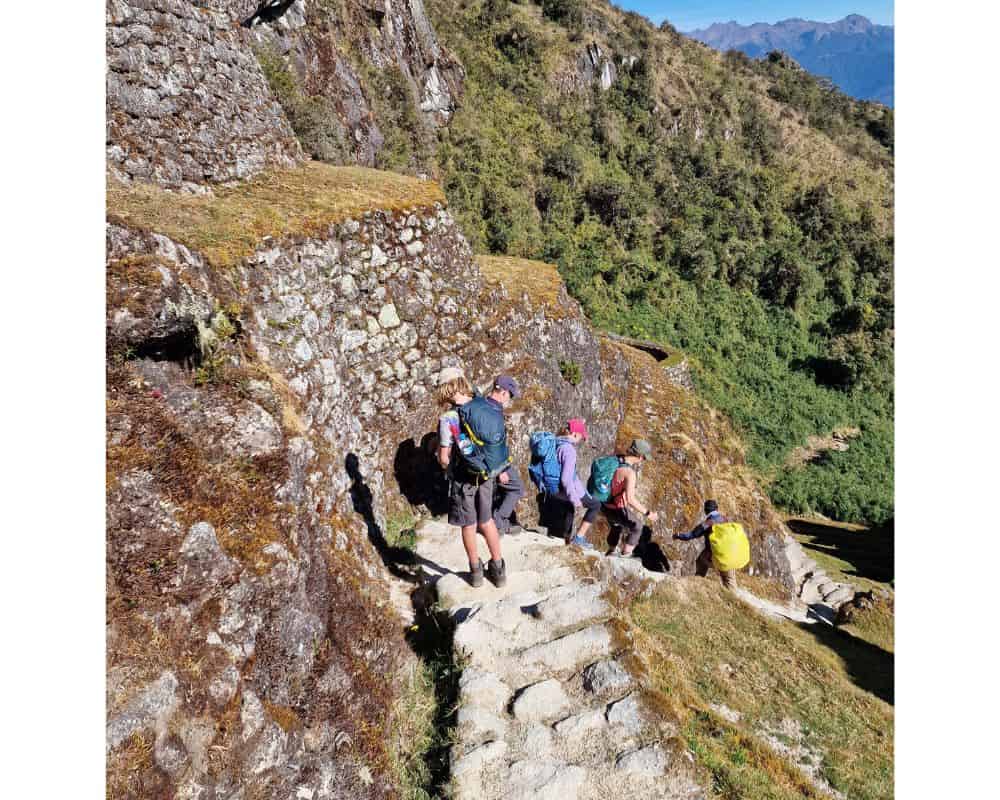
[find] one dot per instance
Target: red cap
(577, 425)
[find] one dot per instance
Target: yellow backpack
(730, 546)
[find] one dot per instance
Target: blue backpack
(544, 468)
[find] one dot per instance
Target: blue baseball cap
(508, 383)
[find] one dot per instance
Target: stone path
(547, 705)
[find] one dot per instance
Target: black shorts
(623, 522)
(470, 503)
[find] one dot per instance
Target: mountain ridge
(855, 53)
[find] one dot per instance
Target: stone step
(840, 595)
(467, 771)
(541, 701)
(544, 779)
(564, 655)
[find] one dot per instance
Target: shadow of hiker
(868, 666)
(400, 561)
(870, 553)
(419, 476)
(650, 553)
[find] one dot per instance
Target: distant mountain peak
(854, 53)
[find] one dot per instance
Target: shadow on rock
(400, 561)
(419, 476)
(652, 555)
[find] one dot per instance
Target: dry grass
(305, 201)
(413, 733)
(131, 772)
(540, 281)
(233, 495)
(702, 649)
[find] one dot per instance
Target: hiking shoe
(476, 575)
(497, 572)
(580, 542)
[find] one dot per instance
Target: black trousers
(560, 514)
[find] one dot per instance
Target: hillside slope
(737, 211)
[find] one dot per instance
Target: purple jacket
(570, 487)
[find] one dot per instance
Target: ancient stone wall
(187, 104)
(264, 423)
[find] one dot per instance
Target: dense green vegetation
(686, 219)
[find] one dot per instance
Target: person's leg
(560, 518)
(704, 561)
(484, 517)
(614, 528)
(462, 512)
(508, 494)
(568, 517)
(633, 531)
(470, 544)
(592, 506)
(728, 578)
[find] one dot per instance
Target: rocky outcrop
(269, 412)
(187, 104)
(350, 77)
(593, 66)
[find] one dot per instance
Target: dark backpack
(487, 432)
(544, 468)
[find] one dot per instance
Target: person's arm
(632, 501)
(566, 456)
(698, 530)
(445, 436)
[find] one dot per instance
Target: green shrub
(571, 372)
(568, 13)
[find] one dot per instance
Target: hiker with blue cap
(482, 463)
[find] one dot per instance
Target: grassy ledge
(227, 226)
(744, 686)
(540, 281)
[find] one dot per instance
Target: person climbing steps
(622, 502)
(480, 436)
(726, 545)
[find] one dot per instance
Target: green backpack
(601, 473)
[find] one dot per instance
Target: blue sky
(687, 15)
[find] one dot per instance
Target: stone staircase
(548, 704)
(821, 593)
(548, 707)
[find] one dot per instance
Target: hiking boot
(497, 572)
(580, 542)
(476, 575)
